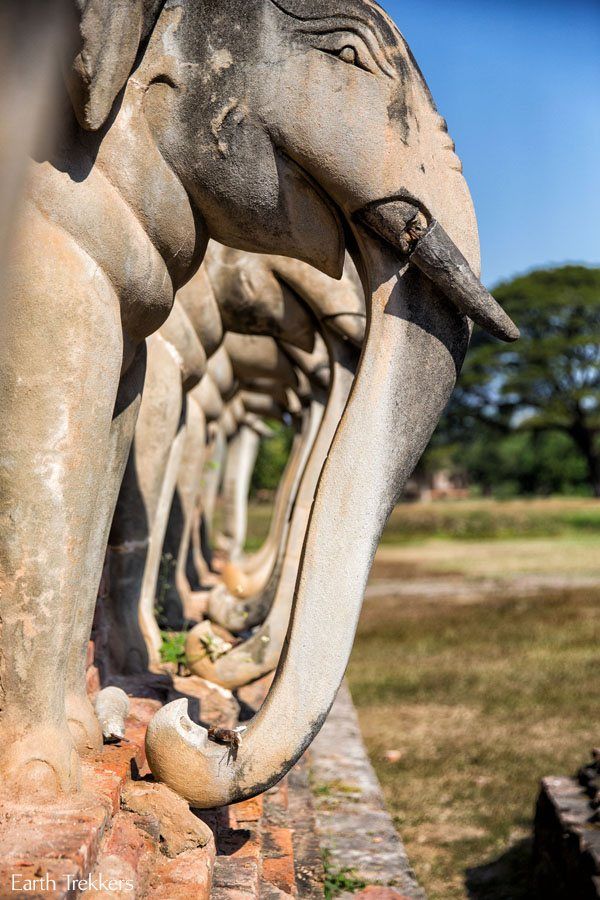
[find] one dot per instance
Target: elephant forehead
(366, 11)
(343, 14)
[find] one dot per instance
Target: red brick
(249, 810)
(106, 773)
(240, 843)
(278, 858)
(280, 872)
(277, 842)
(188, 875)
(127, 841)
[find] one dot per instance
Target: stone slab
(566, 841)
(353, 824)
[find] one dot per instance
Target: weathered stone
(180, 829)
(234, 879)
(352, 821)
(566, 842)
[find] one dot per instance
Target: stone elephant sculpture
(249, 572)
(339, 307)
(166, 456)
(295, 127)
(257, 285)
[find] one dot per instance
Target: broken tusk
(438, 257)
(112, 708)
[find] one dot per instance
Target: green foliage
(339, 880)
(173, 647)
(272, 457)
(525, 417)
(486, 519)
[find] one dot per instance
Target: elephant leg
(61, 365)
(245, 580)
(148, 594)
(211, 482)
(249, 444)
(188, 489)
(80, 713)
(138, 502)
(225, 539)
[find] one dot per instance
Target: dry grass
(480, 701)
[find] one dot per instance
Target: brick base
(112, 840)
(125, 836)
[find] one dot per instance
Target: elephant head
(304, 128)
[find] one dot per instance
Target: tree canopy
(544, 390)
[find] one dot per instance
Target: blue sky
(519, 83)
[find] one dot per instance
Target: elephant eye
(348, 55)
(356, 46)
(351, 55)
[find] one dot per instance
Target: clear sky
(519, 84)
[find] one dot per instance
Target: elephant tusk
(438, 257)
(425, 243)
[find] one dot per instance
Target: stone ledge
(566, 841)
(353, 823)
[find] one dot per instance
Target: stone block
(234, 879)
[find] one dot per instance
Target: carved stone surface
(299, 128)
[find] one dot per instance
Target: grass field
(470, 520)
(477, 700)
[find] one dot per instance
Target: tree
(272, 456)
(549, 380)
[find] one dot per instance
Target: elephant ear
(110, 32)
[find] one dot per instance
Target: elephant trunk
(414, 350)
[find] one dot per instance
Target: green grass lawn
(484, 519)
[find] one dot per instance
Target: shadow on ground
(508, 877)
